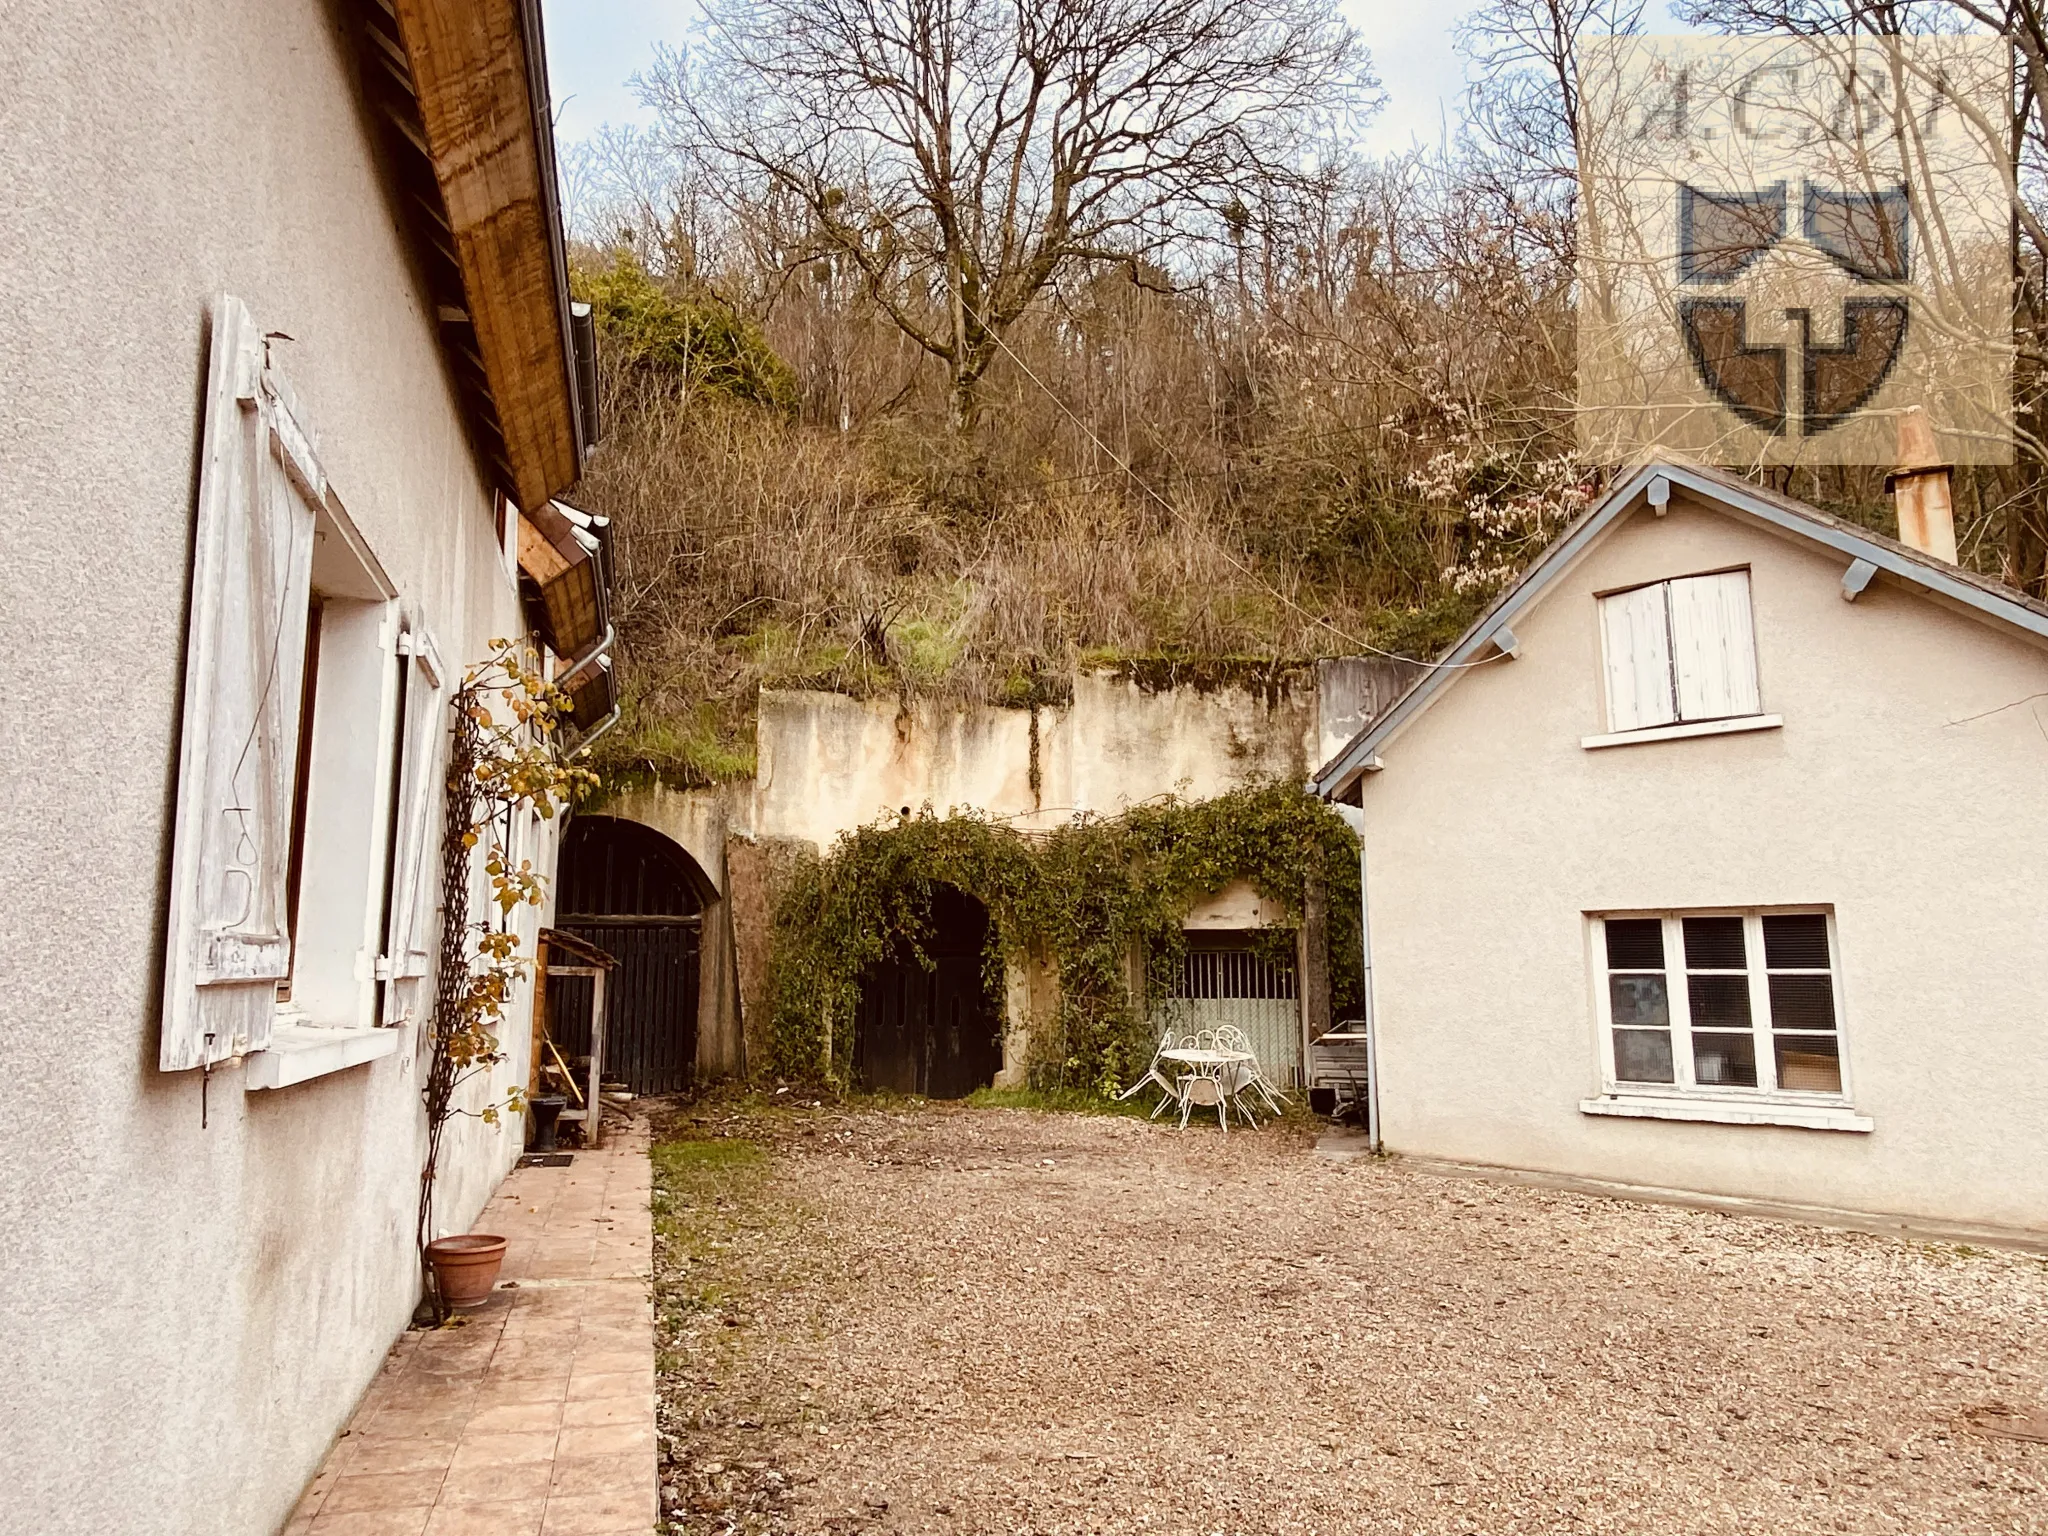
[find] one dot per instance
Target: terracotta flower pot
(466, 1267)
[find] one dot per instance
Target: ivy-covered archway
(1099, 901)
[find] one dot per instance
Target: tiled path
(537, 1417)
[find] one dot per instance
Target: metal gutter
(1354, 818)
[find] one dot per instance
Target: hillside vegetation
(860, 439)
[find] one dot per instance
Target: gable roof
(1868, 554)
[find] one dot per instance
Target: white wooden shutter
(1713, 647)
(228, 942)
(1636, 641)
(407, 946)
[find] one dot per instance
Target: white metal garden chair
(1204, 1090)
(1248, 1076)
(1154, 1074)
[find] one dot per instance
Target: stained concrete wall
(829, 764)
(1904, 790)
(190, 1311)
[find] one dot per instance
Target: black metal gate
(937, 1032)
(638, 895)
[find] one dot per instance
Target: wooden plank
(471, 73)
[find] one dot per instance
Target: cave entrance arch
(639, 896)
(938, 1033)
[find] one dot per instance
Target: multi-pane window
(1680, 651)
(1714, 1001)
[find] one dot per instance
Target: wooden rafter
(486, 140)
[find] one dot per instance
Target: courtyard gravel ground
(911, 1318)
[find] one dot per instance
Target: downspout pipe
(584, 658)
(1354, 818)
(590, 740)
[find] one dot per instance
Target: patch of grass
(698, 1183)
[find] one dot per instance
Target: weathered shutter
(229, 941)
(1713, 647)
(1636, 639)
(407, 945)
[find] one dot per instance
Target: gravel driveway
(929, 1319)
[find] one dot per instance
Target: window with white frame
(284, 822)
(1679, 652)
(1722, 1003)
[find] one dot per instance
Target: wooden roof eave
(478, 76)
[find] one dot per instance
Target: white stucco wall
(188, 1314)
(829, 763)
(1491, 832)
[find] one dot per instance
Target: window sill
(299, 1051)
(1680, 732)
(1657, 1106)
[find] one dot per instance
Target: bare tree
(1522, 107)
(964, 155)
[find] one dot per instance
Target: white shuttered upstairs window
(1678, 655)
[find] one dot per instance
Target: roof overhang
(460, 87)
(564, 577)
(1491, 636)
(565, 581)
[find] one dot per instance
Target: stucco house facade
(1704, 863)
(290, 346)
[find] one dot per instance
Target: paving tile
(604, 1439)
(493, 1450)
(511, 1480)
(514, 1418)
(531, 1326)
(625, 1470)
(358, 1491)
(600, 1514)
(613, 1362)
(637, 1409)
(427, 1423)
(375, 1522)
(525, 1389)
(413, 1453)
(529, 1366)
(613, 1383)
(520, 1517)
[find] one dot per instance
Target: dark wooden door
(650, 1041)
(934, 1032)
(640, 897)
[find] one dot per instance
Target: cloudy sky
(594, 46)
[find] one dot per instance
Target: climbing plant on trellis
(504, 760)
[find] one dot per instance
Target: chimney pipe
(1922, 488)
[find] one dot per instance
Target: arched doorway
(638, 895)
(939, 1032)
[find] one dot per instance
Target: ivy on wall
(1100, 900)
